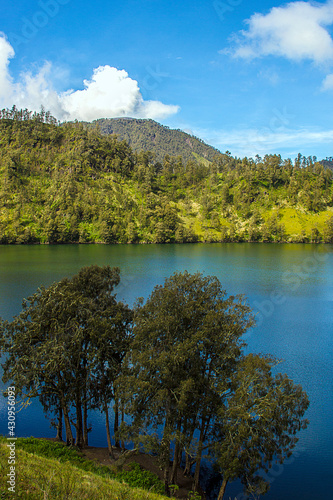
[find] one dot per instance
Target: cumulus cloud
(109, 93)
(6, 53)
(250, 142)
(327, 83)
(296, 31)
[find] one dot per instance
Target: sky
(253, 78)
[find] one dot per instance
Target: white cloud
(296, 31)
(250, 142)
(327, 83)
(270, 76)
(6, 53)
(109, 93)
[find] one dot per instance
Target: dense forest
(148, 135)
(173, 370)
(65, 183)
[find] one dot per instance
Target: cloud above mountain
(267, 140)
(109, 93)
(296, 31)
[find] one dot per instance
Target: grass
(306, 221)
(136, 476)
(201, 159)
(297, 221)
(51, 471)
(63, 453)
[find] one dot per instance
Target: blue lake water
(289, 286)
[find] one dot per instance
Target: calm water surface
(289, 286)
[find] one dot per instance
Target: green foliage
(328, 230)
(188, 375)
(63, 453)
(193, 495)
(65, 183)
(67, 345)
(148, 135)
(180, 374)
(268, 411)
(138, 477)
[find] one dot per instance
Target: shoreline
(78, 243)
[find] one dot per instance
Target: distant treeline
(24, 114)
(68, 183)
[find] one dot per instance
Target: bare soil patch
(101, 456)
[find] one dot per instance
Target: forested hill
(63, 183)
(148, 135)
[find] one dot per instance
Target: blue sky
(248, 77)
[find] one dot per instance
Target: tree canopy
(66, 336)
(175, 365)
(189, 381)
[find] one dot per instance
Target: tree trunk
(85, 409)
(85, 424)
(68, 429)
(222, 489)
(198, 460)
(78, 425)
(116, 422)
(175, 462)
(108, 436)
(122, 421)
(173, 479)
(188, 464)
(188, 459)
(166, 480)
(59, 426)
(180, 454)
(165, 456)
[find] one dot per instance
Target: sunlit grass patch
(296, 221)
(42, 477)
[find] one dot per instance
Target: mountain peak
(149, 135)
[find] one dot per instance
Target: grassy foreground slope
(42, 477)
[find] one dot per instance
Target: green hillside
(65, 183)
(148, 135)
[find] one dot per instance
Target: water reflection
(298, 329)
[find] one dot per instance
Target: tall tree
(258, 425)
(54, 345)
(190, 377)
(115, 333)
(187, 339)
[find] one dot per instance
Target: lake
(289, 286)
